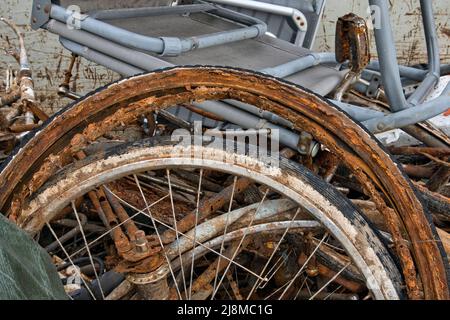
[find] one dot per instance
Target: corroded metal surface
(352, 42)
(67, 133)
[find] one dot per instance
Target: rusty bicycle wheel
(48, 149)
(294, 221)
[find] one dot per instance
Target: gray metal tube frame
(411, 115)
(297, 65)
(147, 62)
(94, 45)
(164, 45)
(388, 58)
(128, 13)
(388, 65)
(243, 118)
(298, 18)
(99, 58)
(144, 62)
(410, 72)
(139, 59)
(431, 39)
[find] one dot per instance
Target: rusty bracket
(352, 42)
(64, 87)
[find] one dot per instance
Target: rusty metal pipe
(431, 40)
(170, 46)
(9, 98)
(206, 208)
(121, 241)
(236, 234)
(212, 227)
(121, 213)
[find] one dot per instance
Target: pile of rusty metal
(429, 170)
(19, 111)
(285, 196)
(131, 219)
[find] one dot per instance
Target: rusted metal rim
(121, 101)
(323, 202)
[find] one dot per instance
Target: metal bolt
(141, 241)
(314, 148)
(38, 7)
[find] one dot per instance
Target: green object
(26, 270)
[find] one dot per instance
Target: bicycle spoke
(87, 249)
(330, 281)
(76, 268)
(195, 234)
(241, 241)
(277, 290)
(176, 228)
(303, 267)
(225, 231)
(120, 224)
(157, 234)
(271, 273)
(273, 253)
(332, 292)
(301, 287)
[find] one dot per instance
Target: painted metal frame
(169, 46)
(125, 52)
(297, 17)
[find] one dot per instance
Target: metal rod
(388, 58)
(138, 59)
(296, 15)
(170, 46)
(411, 115)
(410, 72)
(68, 235)
(431, 39)
(129, 13)
(300, 64)
(356, 112)
(100, 58)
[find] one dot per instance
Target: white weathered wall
(49, 60)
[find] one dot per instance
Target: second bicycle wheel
(273, 232)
